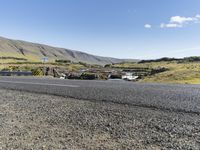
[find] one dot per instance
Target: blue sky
(118, 28)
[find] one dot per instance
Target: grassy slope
(184, 73)
(30, 58)
(33, 52)
(29, 67)
(187, 73)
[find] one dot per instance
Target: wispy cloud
(148, 26)
(180, 21)
(197, 16)
(171, 25)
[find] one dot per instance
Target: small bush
(88, 76)
(37, 72)
(63, 61)
(116, 76)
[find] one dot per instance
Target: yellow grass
(181, 73)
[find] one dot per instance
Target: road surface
(181, 98)
(69, 114)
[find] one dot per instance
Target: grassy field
(182, 73)
(28, 66)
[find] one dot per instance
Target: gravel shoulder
(38, 121)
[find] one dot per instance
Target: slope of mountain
(34, 52)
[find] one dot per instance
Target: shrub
(62, 61)
(88, 76)
(37, 72)
(116, 76)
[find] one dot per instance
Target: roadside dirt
(36, 121)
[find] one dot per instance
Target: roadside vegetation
(164, 70)
(184, 73)
(181, 71)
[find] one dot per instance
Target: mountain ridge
(35, 51)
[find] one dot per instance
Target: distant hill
(179, 60)
(22, 50)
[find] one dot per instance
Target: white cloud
(197, 16)
(148, 26)
(170, 25)
(180, 21)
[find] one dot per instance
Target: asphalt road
(53, 114)
(165, 97)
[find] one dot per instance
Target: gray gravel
(39, 121)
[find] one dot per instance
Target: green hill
(14, 50)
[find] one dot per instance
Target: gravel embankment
(37, 121)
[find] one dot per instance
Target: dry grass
(181, 73)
